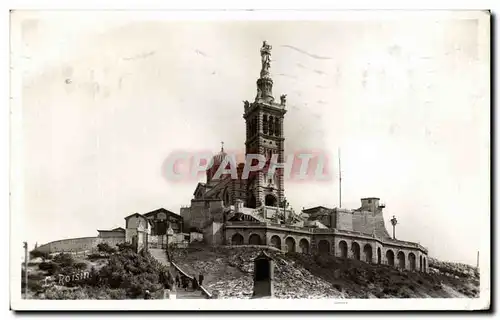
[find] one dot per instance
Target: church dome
(218, 158)
(215, 163)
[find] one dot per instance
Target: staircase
(161, 256)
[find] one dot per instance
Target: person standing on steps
(195, 284)
(200, 279)
(177, 281)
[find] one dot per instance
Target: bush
(95, 256)
(123, 247)
(49, 266)
(106, 248)
(80, 266)
(39, 254)
(64, 260)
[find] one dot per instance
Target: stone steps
(161, 256)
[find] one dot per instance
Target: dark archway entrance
(271, 201)
(323, 246)
(254, 240)
(304, 246)
(401, 260)
(252, 202)
(390, 257)
(290, 244)
(413, 261)
(356, 251)
(237, 240)
(367, 250)
(276, 242)
(343, 249)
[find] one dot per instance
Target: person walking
(200, 279)
(177, 281)
(195, 284)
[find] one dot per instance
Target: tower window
(266, 125)
(277, 127)
(271, 126)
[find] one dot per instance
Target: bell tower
(264, 135)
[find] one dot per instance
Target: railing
(204, 291)
(326, 231)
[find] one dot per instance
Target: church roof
(119, 229)
(163, 210)
(314, 209)
(218, 158)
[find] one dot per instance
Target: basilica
(253, 210)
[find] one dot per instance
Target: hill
(112, 274)
(228, 273)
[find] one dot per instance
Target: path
(161, 256)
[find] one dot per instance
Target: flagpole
(340, 183)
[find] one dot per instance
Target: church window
(266, 125)
(254, 122)
(271, 126)
(277, 127)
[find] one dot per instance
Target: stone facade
(160, 219)
(340, 243)
(137, 231)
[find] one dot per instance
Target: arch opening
(343, 249)
(254, 239)
(413, 261)
(304, 246)
(368, 252)
(237, 239)
(389, 255)
(356, 251)
(401, 260)
(290, 244)
(323, 246)
(276, 242)
(252, 202)
(271, 201)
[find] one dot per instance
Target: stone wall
(334, 242)
(343, 220)
(79, 244)
(213, 233)
(185, 213)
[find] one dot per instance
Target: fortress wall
(379, 226)
(112, 241)
(78, 244)
(369, 223)
(344, 220)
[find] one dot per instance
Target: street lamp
(394, 222)
(25, 246)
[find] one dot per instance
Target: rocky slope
(228, 272)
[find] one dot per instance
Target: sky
(105, 98)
